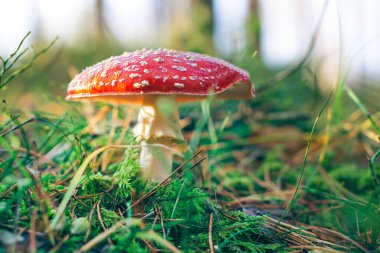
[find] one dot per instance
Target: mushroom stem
(156, 162)
(158, 123)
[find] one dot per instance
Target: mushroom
(157, 81)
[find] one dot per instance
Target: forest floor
(293, 170)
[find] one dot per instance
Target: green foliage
(52, 179)
(127, 171)
(10, 67)
(353, 178)
(125, 244)
(244, 233)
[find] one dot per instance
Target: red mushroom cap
(190, 76)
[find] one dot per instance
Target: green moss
(353, 178)
(40, 158)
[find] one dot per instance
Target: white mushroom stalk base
(156, 162)
(158, 123)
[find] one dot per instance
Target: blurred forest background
(274, 33)
(292, 152)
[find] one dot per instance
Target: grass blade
(360, 105)
(305, 157)
(76, 179)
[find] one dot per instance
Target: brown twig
(159, 213)
(41, 157)
(43, 198)
(155, 220)
(5, 193)
(309, 238)
(101, 220)
(114, 200)
(342, 236)
(228, 216)
(32, 236)
(149, 246)
(211, 244)
(18, 126)
(61, 242)
(89, 223)
(317, 248)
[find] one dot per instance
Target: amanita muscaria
(157, 81)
